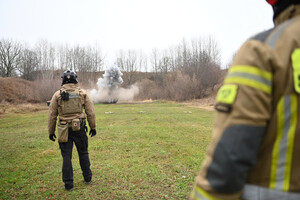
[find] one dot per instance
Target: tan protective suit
(56, 109)
(257, 126)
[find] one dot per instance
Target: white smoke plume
(108, 90)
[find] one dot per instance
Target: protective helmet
(281, 5)
(69, 77)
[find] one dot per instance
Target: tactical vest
(71, 103)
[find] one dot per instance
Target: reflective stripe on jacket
(254, 192)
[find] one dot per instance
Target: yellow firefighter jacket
(57, 108)
(257, 126)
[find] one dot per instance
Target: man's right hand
(52, 137)
(93, 132)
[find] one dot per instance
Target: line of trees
(182, 72)
(186, 71)
(18, 60)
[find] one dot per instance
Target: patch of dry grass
(205, 103)
(7, 108)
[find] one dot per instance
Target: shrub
(45, 89)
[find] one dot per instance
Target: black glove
(93, 132)
(52, 137)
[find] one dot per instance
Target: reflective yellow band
(290, 143)
(275, 153)
(249, 83)
(251, 70)
(200, 194)
(296, 69)
(250, 76)
(287, 110)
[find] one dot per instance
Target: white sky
(134, 24)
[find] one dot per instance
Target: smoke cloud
(108, 90)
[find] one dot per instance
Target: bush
(179, 87)
(148, 89)
(45, 89)
(176, 86)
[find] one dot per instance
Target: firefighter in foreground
(254, 153)
(68, 103)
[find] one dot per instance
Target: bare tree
(142, 62)
(165, 64)
(173, 59)
(28, 64)
(120, 61)
(62, 57)
(155, 60)
(46, 58)
(85, 59)
(10, 57)
(97, 59)
(76, 58)
(128, 62)
(131, 61)
(213, 49)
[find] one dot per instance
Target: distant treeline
(183, 72)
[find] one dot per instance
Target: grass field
(141, 151)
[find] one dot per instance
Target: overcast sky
(134, 24)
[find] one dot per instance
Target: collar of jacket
(290, 12)
(69, 85)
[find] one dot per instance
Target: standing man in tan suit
(68, 103)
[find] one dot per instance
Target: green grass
(154, 154)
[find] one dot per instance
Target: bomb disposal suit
(255, 151)
(68, 103)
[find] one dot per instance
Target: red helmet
(272, 2)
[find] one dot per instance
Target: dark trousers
(81, 142)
